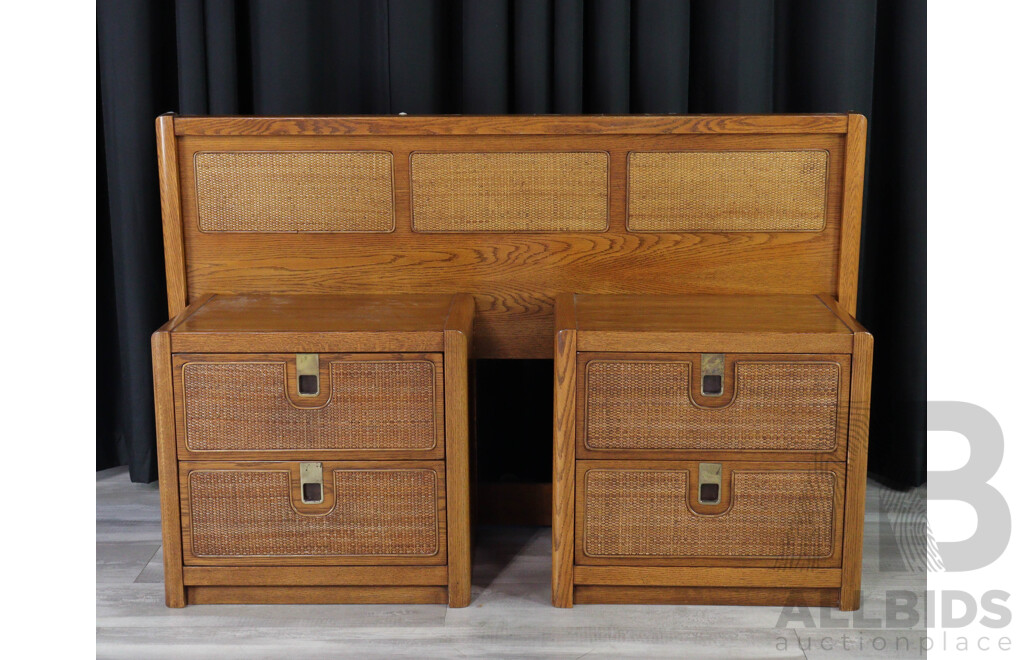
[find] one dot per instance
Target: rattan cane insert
(250, 513)
(242, 406)
(787, 406)
(509, 192)
(644, 513)
(726, 191)
(296, 191)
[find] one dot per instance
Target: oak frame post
(856, 471)
(457, 336)
(563, 518)
(853, 201)
(167, 463)
(170, 209)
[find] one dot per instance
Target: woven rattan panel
(508, 192)
(242, 406)
(646, 405)
(294, 191)
(644, 513)
(249, 513)
(724, 191)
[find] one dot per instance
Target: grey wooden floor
(510, 615)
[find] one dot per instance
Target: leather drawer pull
(307, 373)
(311, 478)
(712, 372)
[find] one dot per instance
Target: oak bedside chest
(709, 449)
(315, 449)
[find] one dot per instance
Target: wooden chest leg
(564, 459)
(456, 416)
(170, 512)
(856, 471)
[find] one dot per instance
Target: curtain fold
(606, 56)
(660, 56)
(732, 56)
(485, 56)
(135, 43)
(824, 56)
(531, 56)
(567, 58)
(894, 246)
(511, 56)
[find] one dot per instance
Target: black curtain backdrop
(511, 56)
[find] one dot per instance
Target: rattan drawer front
(367, 403)
(727, 191)
(509, 192)
(654, 403)
(294, 191)
(769, 514)
(371, 513)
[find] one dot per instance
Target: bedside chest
(315, 449)
(709, 449)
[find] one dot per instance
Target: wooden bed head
(513, 209)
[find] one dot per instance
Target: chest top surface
(696, 314)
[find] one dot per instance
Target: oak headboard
(513, 209)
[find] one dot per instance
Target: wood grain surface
(167, 463)
(564, 457)
(458, 334)
(170, 210)
(707, 576)
(625, 595)
(853, 199)
(857, 470)
(297, 576)
(510, 125)
(305, 595)
(513, 275)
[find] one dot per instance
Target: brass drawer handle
(307, 374)
(311, 479)
(710, 482)
(712, 373)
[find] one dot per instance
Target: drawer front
(651, 513)
(366, 403)
(242, 513)
(649, 403)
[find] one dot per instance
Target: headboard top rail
(510, 124)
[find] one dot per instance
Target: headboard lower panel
(513, 218)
